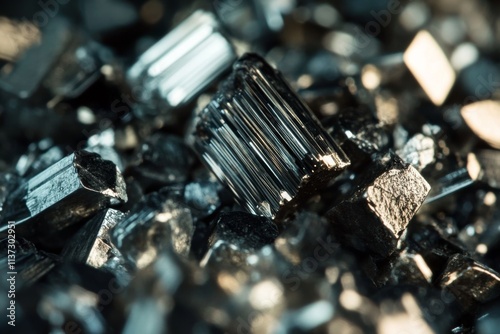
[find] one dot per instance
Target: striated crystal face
(262, 142)
(182, 63)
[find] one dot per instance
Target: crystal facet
(63, 194)
(263, 143)
(375, 215)
(181, 64)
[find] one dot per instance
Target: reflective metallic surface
(257, 122)
(250, 166)
(182, 63)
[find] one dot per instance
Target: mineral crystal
(180, 65)
(92, 245)
(428, 63)
(309, 207)
(62, 195)
(380, 208)
(470, 280)
(257, 123)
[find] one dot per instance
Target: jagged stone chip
(376, 214)
(62, 195)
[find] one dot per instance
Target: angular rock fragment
(430, 66)
(263, 143)
(62, 195)
(470, 281)
(180, 65)
(92, 245)
(159, 222)
(237, 235)
(419, 151)
(483, 118)
(380, 208)
(429, 152)
(359, 134)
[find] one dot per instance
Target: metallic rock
(419, 151)
(429, 152)
(470, 281)
(92, 245)
(257, 123)
(377, 213)
(62, 195)
(359, 134)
